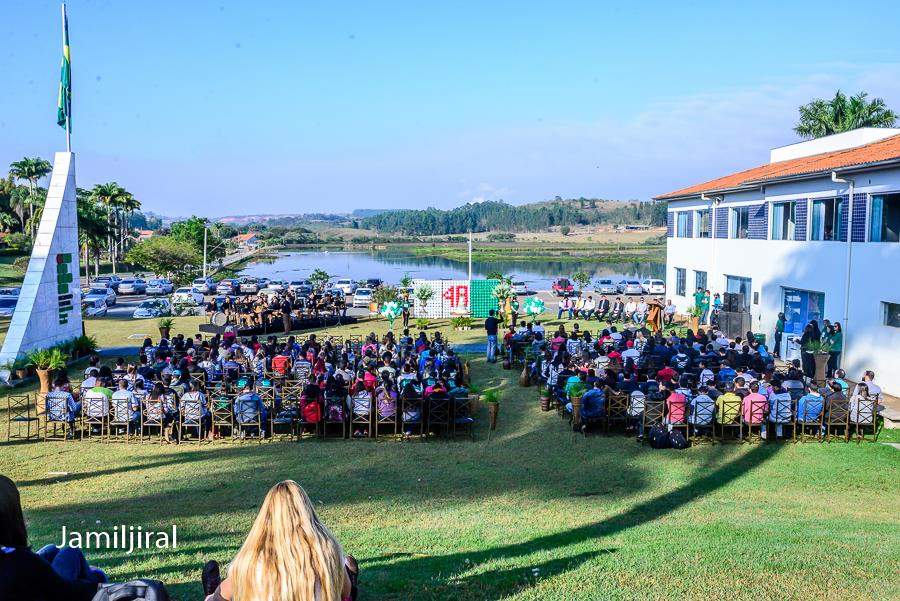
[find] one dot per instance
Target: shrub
(165, 323)
(48, 358)
(461, 322)
(84, 345)
(422, 323)
(385, 294)
(491, 396)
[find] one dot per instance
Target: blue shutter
(845, 207)
(670, 224)
(721, 222)
(859, 217)
(690, 225)
(758, 222)
(800, 211)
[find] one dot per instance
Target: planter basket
(493, 412)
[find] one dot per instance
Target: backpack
(311, 411)
(134, 590)
(659, 437)
(677, 440)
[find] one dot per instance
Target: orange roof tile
(876, 152)
(245, 237)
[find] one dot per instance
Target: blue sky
(225, 107)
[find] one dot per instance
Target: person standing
(514, 310)
(836, 342)
(490, 327)
(779, 331)
(404, 309)
(704, 307)
(698, 298)
(286, 314)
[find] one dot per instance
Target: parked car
(8, 305)
(226, 287)
(302, 287)
(295, 285)
(653, 287)
(10, 291)
(374, 283)
(519, 288)
(135, 286)
(606, 287)
(187, 296)
(249, 286)
(157, 287)
(630, 287)
(362, 297)
(347, 285)
(276, 285)
(335, 292)
(93, 307)
(156, 307)
(408, 290)
(204, 286)
(110, 281)
(562, 286)
(107, 294)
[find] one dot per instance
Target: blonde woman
(289, 555)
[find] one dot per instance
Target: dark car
(374, 283)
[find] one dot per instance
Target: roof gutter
(851, 185)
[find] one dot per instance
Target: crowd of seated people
(699, 380)
(277, 311)
(176, 386)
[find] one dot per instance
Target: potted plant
(492, 398)
(525, 376)
(165, 326)
(474, 395)
(45, 361)
(83, 346)
(577, 391)
(422, 323)
(461, 323)
(19, 366)
(819, 351)
(424, 293)
(545, 398)
(694, 314)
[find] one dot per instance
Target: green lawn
(536, 512)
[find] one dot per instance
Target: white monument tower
(49, 306)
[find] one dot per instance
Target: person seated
(811, 405)
(676, 407)
(312, 565)
(669, 312)
(95, 402)
(249, 410)
(51, 573)
(754, 406)
(593, 402)
(680, 360)
(62, 406)
(702, 408)
(872, 388)
(631, 311)
(127, 407)
(728, 408)
(840, 376)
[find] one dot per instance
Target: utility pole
(205, 232)
(470, 255)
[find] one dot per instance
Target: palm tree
(130, 204)
(109, 195)
(93, 227)
(825, 117)
(30, 170)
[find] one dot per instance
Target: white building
(779, 234)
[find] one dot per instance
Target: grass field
(535, 513)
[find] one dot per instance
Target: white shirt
(630, 307)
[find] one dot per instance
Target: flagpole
(68, 114)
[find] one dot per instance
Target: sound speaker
(734, 323)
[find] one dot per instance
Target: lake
(391, 266)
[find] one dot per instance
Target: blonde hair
(289, 555)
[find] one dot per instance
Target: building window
(681, 221)
(826, 219)
(700, 280)
(680, 281)
(740, 222)
(742, 286)
(703, 223)
(891, 314)
(800, 307)
(884, 225)
(784, 221)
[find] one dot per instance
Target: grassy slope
(597, 517)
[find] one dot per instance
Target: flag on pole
(64, 111)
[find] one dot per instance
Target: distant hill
(363, 213)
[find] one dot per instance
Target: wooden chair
(728, 414)
(191, 419)
(282, 422)
(335, 414)
(222, 414)
(56, 422)
(153, 416)
(810, 415)
(462, 414)
(120, 419)
(653, 414)
(361, 415)
(837, 418)
(758, 409)
(248, 419)
(23, 414)
(677, 413)
(94, 415)
(864, 415)
(617, 404)
(438, 412)
(411, 414)
(702, 419)
(386, 415)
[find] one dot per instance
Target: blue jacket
(592, 403)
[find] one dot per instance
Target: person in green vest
(514, 309)
(779, 330)
(704, 307)
(404, 308)
(836, 340)
(698, 297)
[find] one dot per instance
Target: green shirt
(837, 342)
(698, 299)
(704, 302)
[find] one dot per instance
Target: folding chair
(248, 419)
(361, 415)
(385, 415)
(411, 418)
(617, 404)
(94, 415)
(758, 409)
(438, 412)
(462, 413)
(702, 419)
(56, 413)
(153, 416)
(21, 413)
(120, 419)
(222, 414)
(335, 414)
(310, 415)
(677, 414)
(654, 410)
(863, 415)
(191, 416)
(837, 419)
(728, 414)
(810, 415)
(282, 421)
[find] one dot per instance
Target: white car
(187, 296)
(606, 287)
(277, 285)
(347, 285)
(159, 287)
(108, 295)
(204, 286)
(362, 297)
(519, 288)
(156, 307)
(653, 286)
(249, 286)
(93, 307)
(630, 287)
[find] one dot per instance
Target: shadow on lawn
(494, 584)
